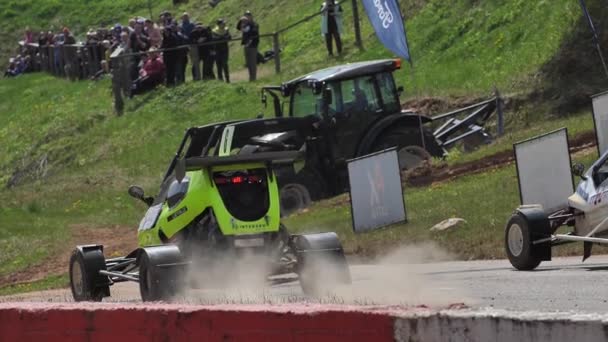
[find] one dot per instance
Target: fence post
(277, 52)
(358, 41)
(196, 62)
(499, 111)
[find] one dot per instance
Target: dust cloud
(395, 279)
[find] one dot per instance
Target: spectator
(173, 58)
(331, 25)
(68, 39)
(131, 26)
(116, 31)
(153, 33)
(28, 37)
(11, 71)
(139, 43)
(42, 39)
(166, 19)
(187, 26)
(151, 75)
(50, 38)
(250, 42)
(200, 35)
(222, 35)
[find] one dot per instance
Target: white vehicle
(531, 232)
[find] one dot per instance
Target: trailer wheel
(85, 265)
(158, 279)
(406, 138)
(518, 244)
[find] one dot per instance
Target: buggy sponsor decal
(177, 214)
(599, 198)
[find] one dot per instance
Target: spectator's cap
(165, 13)
(148, 21)
(220, 21)
(11, 60)
(185, 15)
(141, 21)
(106, 43)
(248, 13)
(117, 27)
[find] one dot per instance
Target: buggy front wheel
(518, 244)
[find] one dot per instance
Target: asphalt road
(565, 284)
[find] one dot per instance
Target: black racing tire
(518, 244)
(83, 275)
(155, 284)
(403, 136)
(322, 272)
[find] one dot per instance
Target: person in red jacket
(151, 75)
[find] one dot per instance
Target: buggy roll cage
(203, 139)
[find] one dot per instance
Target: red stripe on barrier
(99, 322)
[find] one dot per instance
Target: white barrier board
(600, 119)
(376, 194)
(544, 170)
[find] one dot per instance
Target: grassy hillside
(68, 159)
(458, 46)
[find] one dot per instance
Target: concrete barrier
(499, 326)
(171, 322)
(112, 322)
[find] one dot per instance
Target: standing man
(187, 26)
(250, 41)
(222, 35)
(331, 25)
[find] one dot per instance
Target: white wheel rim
(515, 239)
(77, 281)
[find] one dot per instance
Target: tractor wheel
(518, 244)
(84, 275)
(157, 280)
(408, 142)
(298, 192)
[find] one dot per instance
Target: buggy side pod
(539, 226)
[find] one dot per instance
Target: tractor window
(359, 95)
(304, 102)
(388, 90)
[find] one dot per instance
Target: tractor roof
(347, 71)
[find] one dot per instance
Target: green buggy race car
(217, 202)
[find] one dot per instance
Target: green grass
(48, 283)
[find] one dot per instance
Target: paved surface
(565, 284)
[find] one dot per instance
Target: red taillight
(397, 63)
(252, 179)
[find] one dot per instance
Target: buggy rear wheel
(85, 282)
(322, 266)
(518, 244)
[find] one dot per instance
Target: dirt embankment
(115, 240)
(426, 174)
